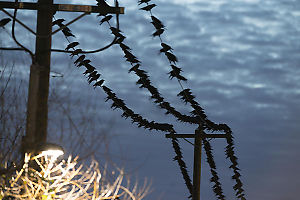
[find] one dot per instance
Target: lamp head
(50, 149)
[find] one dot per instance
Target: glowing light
(55, 153)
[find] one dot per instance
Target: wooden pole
(199, 134)
(37, 108)
(197, 164)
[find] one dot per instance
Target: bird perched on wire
(93, 78)
(158, 32)
(157, 23)
(98, 83)
(94, 73)
(149, 7)
(84, 62)
(106, 19)
(165, 48)
(58, 22)
(134, 68)
(71, 45)
(143, 1)
(171, 57)
(89, 69)
(102, 4)
(79, 60)
(76, 52)
(124, 46)
(4, 21)
(67, 32)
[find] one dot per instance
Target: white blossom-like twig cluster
(44, 178)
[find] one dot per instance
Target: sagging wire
(100, 49)
(25, 26)
(187, 97)
(14, 37)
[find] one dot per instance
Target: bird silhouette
(58, 22)
(89, 68)
(128, 54)
(143, 1)
(158, 32)
(148, 7)
(71, 45)
(134, 68)
(93, 78)
(67, 32)
(102, 3)
(4, 21)
(80, 59)
(76, 52)
(171, 57)
(98, 83)
(83, 63)
(157, 23)
(124, 47)
(165, 47)
(120, 39)
(106, 19)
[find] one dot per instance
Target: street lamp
(49, 149)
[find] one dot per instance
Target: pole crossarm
(198, 136)
(63, 7)
(204, 135)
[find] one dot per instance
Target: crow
(98, 83)
(71, 45)
(148, 8)
(80, 59)
(143, 1)
(106, 19)
(158, 32)
(58, 22)
(4, 21)
(157, 23)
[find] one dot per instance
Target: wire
(100, 49)
(26, 27)
(14, 37)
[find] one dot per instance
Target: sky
(241, 58)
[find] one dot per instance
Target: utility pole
(198, 136)
(37, 107)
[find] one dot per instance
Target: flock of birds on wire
(198, 114)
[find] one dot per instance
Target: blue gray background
(242, 60)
